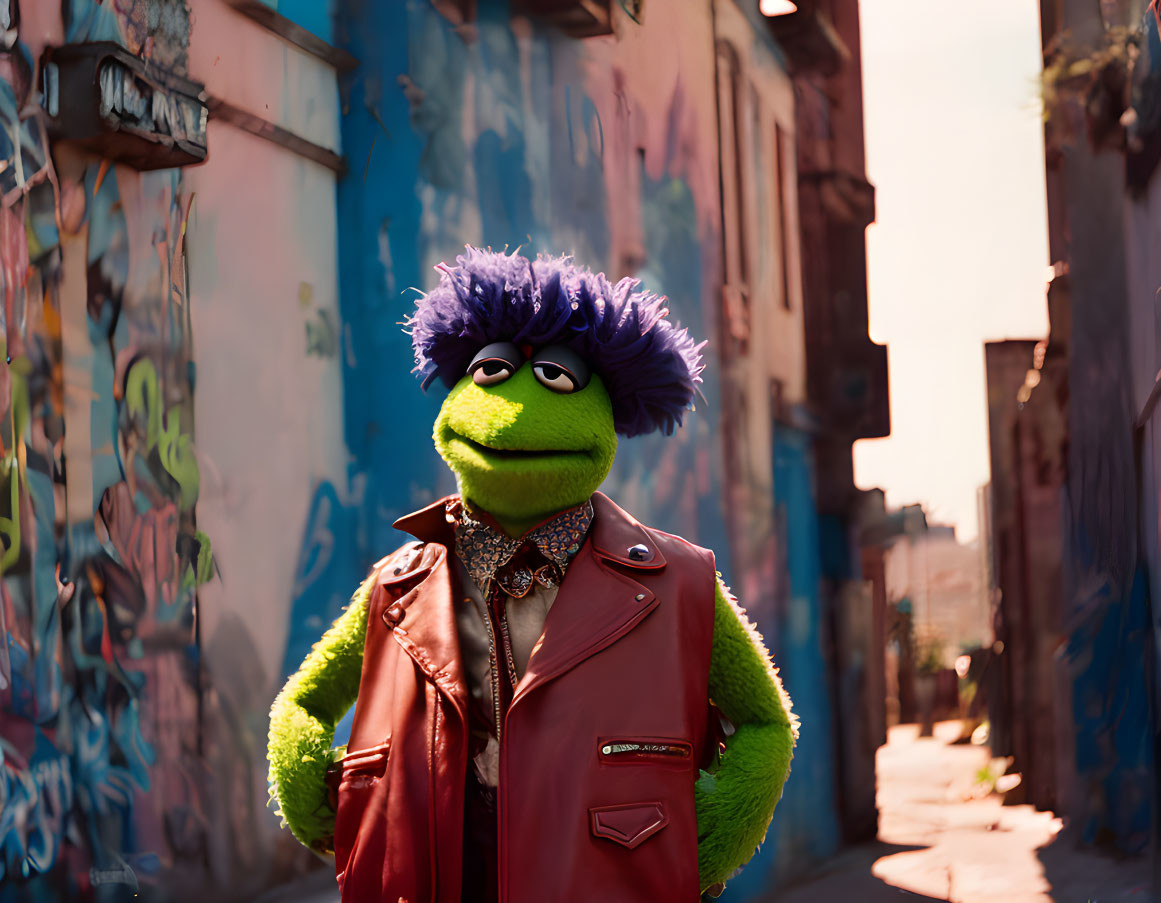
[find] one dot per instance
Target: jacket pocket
(364, 763)
(629, 824)
(355, 778)
(640, 750)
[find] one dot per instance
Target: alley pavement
(943, 837)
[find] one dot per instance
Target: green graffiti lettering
(163, 431)
(18, 415)
(206, 565)
(177, 457)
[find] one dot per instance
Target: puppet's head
(546, 363)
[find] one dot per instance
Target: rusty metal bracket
(262, 128)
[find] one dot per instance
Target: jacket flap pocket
(371, 761)
(629, 824)
(364, 764)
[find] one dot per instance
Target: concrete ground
(942, 838)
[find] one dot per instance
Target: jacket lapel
(423, 618)
(600, 600)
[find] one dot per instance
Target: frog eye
(491, 372)
(560, 369)
(556, 378)
(495, 363)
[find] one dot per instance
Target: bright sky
(959, 252)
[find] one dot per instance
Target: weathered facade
(1074, 463)
(1027, 391)
(169, 409)
(160, 581)
(846, 373)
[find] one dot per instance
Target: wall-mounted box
(112, 103)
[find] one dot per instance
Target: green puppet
(545, 689)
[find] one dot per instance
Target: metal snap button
(393, 615)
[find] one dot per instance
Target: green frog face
(527, 433)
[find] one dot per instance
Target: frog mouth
(514, 454)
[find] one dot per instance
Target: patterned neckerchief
(541, 555)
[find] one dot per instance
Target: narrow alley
(942, 836)
(852, 302)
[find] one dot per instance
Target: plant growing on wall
(1092, 83)
(1111, 90)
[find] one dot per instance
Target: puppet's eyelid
(560, 368)
(494, 363)
(490, 371)
(555, 377)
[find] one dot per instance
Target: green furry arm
(303, 719)
(736, 803)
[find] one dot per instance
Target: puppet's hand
(302, 725)
(299, 756)
(736, 803)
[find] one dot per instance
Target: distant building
(930, 595)
(944, 580)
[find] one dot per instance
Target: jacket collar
(429, 524)
(620, 537)
(615, 534)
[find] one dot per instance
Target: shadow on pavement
(1086, 873)
(848, 877)
(317, 887)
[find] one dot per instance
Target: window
(732, 127)
(738, 103)
(731, 111)
(783, 254)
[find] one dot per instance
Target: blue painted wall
(449, 142)
(316, 16)
(805, 827)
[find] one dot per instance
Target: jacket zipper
(495, 675)
(649, 749)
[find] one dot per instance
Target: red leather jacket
(601, 744)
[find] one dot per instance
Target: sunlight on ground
(944, 836)
(973, 847)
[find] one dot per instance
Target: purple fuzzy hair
(649, 365)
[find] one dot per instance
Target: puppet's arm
(303, 719)
(736, 803)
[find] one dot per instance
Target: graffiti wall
(136, 659)
(210, 422)
(805, 826)
(102, 553)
